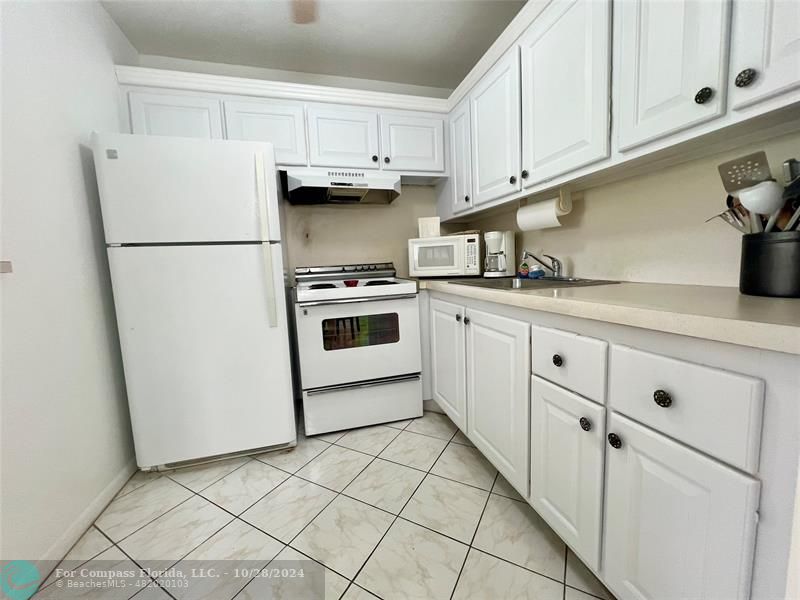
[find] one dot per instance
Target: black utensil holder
(771, 264)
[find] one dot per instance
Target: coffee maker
(500, 254)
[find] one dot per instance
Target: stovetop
(349, 282)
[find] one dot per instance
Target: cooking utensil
(793, 221)
(732, 219)
(351, 282)
(791, 170)
(744, 172)
(764, 198)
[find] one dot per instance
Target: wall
(651, 227)
(212, 68)
(66, 443)
(326, 235)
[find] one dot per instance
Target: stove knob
(373, 267)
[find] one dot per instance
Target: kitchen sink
(515, 283)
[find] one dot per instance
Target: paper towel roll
(541, 215)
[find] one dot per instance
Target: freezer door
(156, 189)
(204, 347)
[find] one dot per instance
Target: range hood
(339, 186)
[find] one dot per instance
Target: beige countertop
(713, 313)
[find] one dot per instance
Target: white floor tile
(385, 484)
(199, 477)
(356, 593)
(413, 562)
(343, 535)
(294, 458)
(460, 438)
(579, 576)
(236, 548)
(170, 537)
(502, 487)
(245, 486)
(152, 592)
(331, 437)
(399, 424)
(128, 513)
(317, 582)
(485, 576)
(90, 545)
(513, 531)
(371, 440)
(573, 594)
(433, 424)
(414, 450)
(139, 479)
(335, 468)
(286, 510)
(466, 465)
(446, 506)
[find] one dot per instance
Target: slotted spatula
(744, 172)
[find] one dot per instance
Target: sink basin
(514, 283)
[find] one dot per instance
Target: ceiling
(422, 42)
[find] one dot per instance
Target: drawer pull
(662, 398)
(458, 317)
(466, 320)
(586, 424)
(615, 441)
(557, 360)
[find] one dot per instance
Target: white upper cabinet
(498, 400)
(412, 143)
(494, 104)
(448, 360)
(567, 445)
(678, 524)
(670, 66)
(766, 40)
(282, 125)
(175, 115)
(461, 157)
(343, 137)
(566, 60)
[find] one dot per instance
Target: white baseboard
(78, 527)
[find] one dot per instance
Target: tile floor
(405, 510)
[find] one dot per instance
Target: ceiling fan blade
(304, 11)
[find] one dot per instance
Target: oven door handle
(354, 300)
(363, 384)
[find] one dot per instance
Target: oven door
(436, 258)
(346, 341)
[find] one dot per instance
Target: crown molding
(241, 86)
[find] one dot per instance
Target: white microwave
(446, 256)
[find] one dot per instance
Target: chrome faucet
(555, 265)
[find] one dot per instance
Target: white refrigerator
(193, 237)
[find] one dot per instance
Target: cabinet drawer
(575, 362)
(715, 411)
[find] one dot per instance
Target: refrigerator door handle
(261, 194)
(272, 317)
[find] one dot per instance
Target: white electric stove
(358, 343)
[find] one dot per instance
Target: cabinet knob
(662, 398)
(466, 320)
(458, 317)
(586, 424)
(745, 77)
(512, 180)
(386, 159)
(615, 441)
(374, 158)
(557, 360)
(704, 95)
(524, 174)
(466, 198)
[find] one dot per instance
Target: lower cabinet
(448, 360)
(498, 406)
(567, 446)
(677, 523)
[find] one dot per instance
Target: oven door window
(364, 330)
(436, 256)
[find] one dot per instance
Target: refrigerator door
(204, 347)
(156, 189)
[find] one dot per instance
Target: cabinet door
(174, 115)
(567, 445)
(448, 359)
(566, 72)
(666, 53)
(494, 104)
(343, 138)
(460, 157)
(282, 125)
(765, 37)
(410, 143)
(678, 524)
(498, 405)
